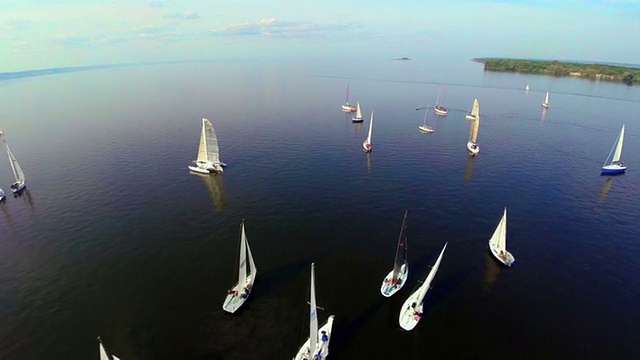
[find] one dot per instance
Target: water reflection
(469, 170)
(605, 189)
(215, 186)
(491, 273)
(543, 116)
(368, 163)
(358, 127)
(26, 195)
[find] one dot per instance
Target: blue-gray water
(115, 238)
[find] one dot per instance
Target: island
(402, 58)
(609, 72)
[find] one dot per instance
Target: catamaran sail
(398, 275)
(367, 145)
(208, 159)
(615, 166)
(18, 174)
(317, 346)
(498, 242)
(412, 308)
(240, 292)
(474, 126)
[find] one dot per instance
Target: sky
(39, 34)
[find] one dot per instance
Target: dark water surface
(115, 238)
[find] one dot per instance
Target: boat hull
(425, 129)
(506, 259)
(322, 348)
(16, 188)
(473, 148)
(545, 105)
(470, 117)
(366, 146)
(411, 312)
(238, 295)
(206, 169)
(613, 169)
(348, 108)
(388, 288)
(357, 120)
(439, 110)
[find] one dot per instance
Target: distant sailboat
(526, 88)
(411, 311)
(317, 343)
(18, 174)
(346, 107)
(2, 196)
(474, 126)
(398, 275)
(424, 128)
(613, 165)
(240, 292)
(439, 109)
(208, 159)
(367, 145)
(498, 242)
(545, 104)
(358, 118)
(103, 352)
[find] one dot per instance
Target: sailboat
(474, 126)
(346, 107)
(2, 196)
(367, 145)
(240, 292)
(318, 341)
(208, 159)
(498, 242)
(470, 115)
(18, 174)
(411, 312)
(104, 355)
(398, 275)
(438, 109)
(615, 166)
(545, 104)
(526, 88)
(358, 118)
(424, 128)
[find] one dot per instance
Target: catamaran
(474, 126)
(398, 275)
(439, 109)
(615, 166)
(498, 242)
(424, 128)
(346, 107)
(358, 118)
(545, 104)
(239, 293)
(412, 308)
(208, 160)
(367, 145)
(104, 355)
(317, 345)
(18, 174)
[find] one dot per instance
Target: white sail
(18, 174)
(427, 283)
(313, 314)
(211, 141)
(546, 99)
(618, 153)
(358, 112)
(499, 238)
(202, 147)
(396, 279)
(369, 136)
(239, 293)
(242, 269)
(474, 125)
(103, 353)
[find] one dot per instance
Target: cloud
(77, 41)
(182, 16)
(158, 4)
(281, 29)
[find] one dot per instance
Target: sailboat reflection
(469, 170)
(369, 163)
(215, 186)
(358, 127)
(608, 183)
(26, 195)
(543, 117)
(490, 273)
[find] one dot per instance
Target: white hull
(425, 129)
(506, 258)
(366, 146)
(470, 117)
(322, 347)
(348, 108)
(238, 295)
(440, 110)
(614, 168)
(545, 105)
(17, 188)
(388, 288)
(473, 148)
(410, 314)
(206, 168)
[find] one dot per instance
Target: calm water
(115, 238)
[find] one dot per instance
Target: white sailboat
(398, 275)
(439, 109)
(346, 107)
(474, 126)
(104, 355)
(240, 292)
(526, 88)
(317, 345)
(358, 118)
(545, 104)
(208, 159)
(424, 128)
(411, 311)
(18, 174)
(498, 242)
(613, 165)
(367, 145)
